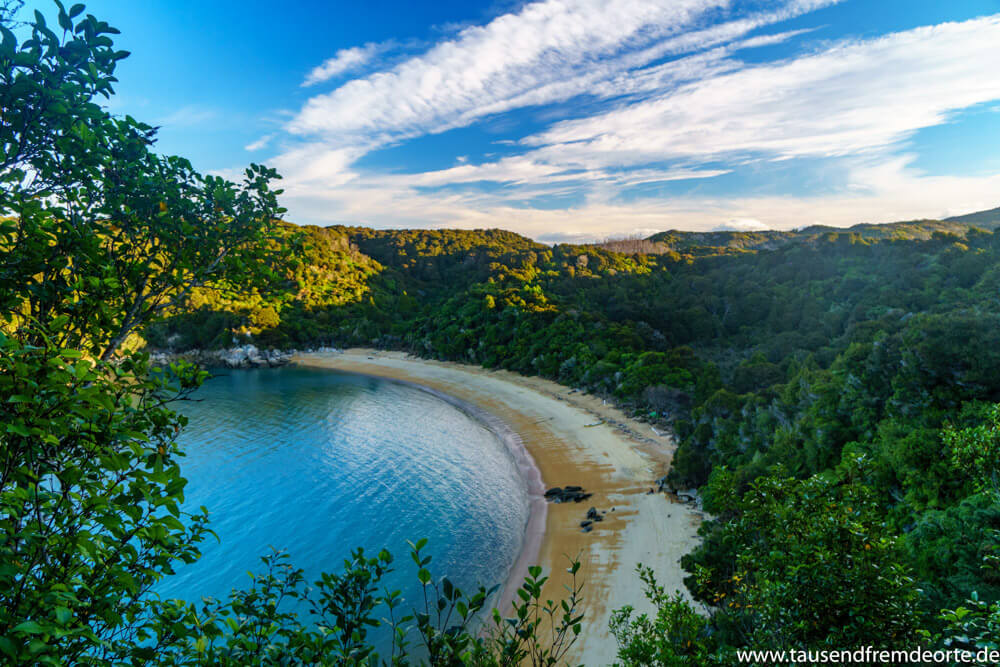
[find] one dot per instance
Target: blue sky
(579, 119)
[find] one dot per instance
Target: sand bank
(616, 461)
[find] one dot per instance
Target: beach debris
(599, 423)
(567, 494)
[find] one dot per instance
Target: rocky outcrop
(245, 356)
(567, 494)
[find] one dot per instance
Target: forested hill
(850, 353)
(722, 242)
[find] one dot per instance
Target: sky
(578, 120)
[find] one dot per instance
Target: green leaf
(18, 429)
(29, 627)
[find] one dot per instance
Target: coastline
(616, 461)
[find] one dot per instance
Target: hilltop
(726, 242)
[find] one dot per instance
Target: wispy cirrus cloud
(548, 51)
(344, 61)
(644, 92)
(260, 143)
(851, 98)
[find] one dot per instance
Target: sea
(317, 462)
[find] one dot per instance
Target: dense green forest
(843, 358)
(834, 394)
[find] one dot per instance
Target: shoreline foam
(617, 462)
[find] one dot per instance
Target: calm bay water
(317, 462)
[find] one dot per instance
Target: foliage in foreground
(347, 608)
(99, 237)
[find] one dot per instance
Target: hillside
(796, 354)
(724, 242)
(986, 219)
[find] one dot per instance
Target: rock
(246, 356)
(690, 496)
(587, 529)
(585, 524)
(592, 512)
(567, 494)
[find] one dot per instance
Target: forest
(835, 394)
(858, 364)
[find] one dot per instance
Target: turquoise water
(317, 462)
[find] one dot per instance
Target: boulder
(566, 494)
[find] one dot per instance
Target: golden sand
(616, 461)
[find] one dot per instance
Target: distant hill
(984, 219)
(700, 244)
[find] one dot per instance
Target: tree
(99, 235)
(803, 564)
(677, 635)
(976, 449)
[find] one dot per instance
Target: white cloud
(524, 171)
(259, 143)
(697, 116)
(851, 98)
(345, 60)
(548, 51)
(893, 191)
(741, 225)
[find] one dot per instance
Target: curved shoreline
(616, 461)
(534, 529)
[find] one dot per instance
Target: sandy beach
(616, 461)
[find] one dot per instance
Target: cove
(317, 462)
